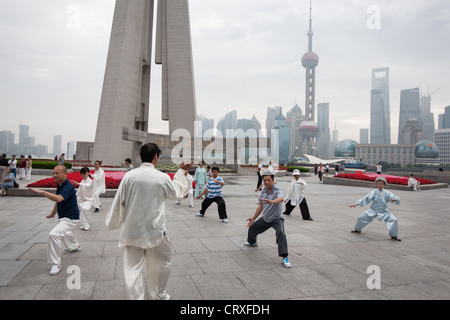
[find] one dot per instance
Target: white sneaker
(199, 215)
(286, 262)
(159, 295)
(224, 220)
(55, 269)
(74, 250)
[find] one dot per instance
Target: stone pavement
(211, 263)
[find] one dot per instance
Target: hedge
(302, 169)
(41, 164)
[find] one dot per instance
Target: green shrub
(302, 169)
(42, 164)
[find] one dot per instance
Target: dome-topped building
(346, 149)
(426, 152)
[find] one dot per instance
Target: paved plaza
(211, 262)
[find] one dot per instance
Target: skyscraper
(380, 113)
(57, 145)
(428, 126)
(323, 141)
(409, 109)
(270, 119)
(310, 60)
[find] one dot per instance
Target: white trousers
(158, 261)
(60, 238)
(28, 173)
(97, 202)
(85, 208)
(22, 173)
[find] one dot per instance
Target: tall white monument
(126, 89)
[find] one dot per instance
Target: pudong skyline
(246, 59)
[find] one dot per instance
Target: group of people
(139, 209)
(8, 171)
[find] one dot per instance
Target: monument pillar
(126, 89)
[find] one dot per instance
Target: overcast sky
(246, 57)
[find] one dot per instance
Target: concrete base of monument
(368, 184)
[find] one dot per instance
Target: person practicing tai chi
(214, 189)
(271, 201)
(295, 196)
(380, 199)
(67, 208)
(139, 208)
(201, 178)
(85, 197)
(188, 180)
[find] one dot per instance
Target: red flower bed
(112, 179)
(389, 178)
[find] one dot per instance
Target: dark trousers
(220, 205)
(259, 181)
(303, 209)
(260, 226)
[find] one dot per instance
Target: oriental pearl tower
(310, 60)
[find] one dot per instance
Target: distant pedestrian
(61, 236)
(21, 166)
(320, 170)
(99, 184)
(259, 173)
(3, 167)
(128, 164)
(380, 199)
(296, 196)
(61, 159)
(13, 165)
(28, 168)
(379, 168)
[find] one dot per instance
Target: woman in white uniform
(85, 197)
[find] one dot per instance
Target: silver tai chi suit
(379, 208)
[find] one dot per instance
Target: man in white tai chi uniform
(139, 207)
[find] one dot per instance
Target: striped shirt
(215, 189)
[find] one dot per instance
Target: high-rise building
(428, 125)
(380, 110)
(6, 142)
(272, 113)
(446, 118)
(57, 145)
(409, 109)
(310, 60)
(206, 124)
(442, 140)
(280, 139)
(364, 136)
(294, 119)
(229, 121)
(323, 141)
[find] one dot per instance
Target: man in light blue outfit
(201, 178)
(380, 199)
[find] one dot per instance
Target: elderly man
(414, 183)
(139, 207)
(67, 208)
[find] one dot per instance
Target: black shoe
(97, 210)
(396, 239)
(309, 219)
(356, 231)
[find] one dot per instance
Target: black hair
(148, 152)
(85, 170)
(215, 168)
(99, 162)
(128, 160)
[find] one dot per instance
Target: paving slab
(211, 261)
